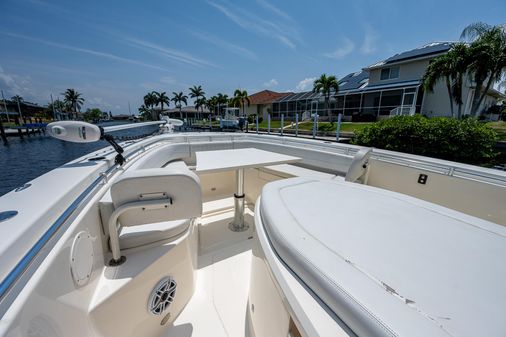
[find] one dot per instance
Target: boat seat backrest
(175, 183)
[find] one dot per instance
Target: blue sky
(114, 52)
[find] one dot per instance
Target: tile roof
(267, 96)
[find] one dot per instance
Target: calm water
(25, 159)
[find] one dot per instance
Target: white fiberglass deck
(218, 306)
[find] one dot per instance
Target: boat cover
(387, 264)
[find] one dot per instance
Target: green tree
(240, 99)
(459, 55)
(161, 98)
(439, 68)
(326, 85)
(221, 99)
(93, 115)
(211, 104)
(179, 98)
(145, 113)
(488, 58)
(197, 92)
(200, 103)
(150, 101)
(73, 101)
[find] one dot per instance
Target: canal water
(25, 159)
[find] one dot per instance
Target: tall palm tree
(73, 100)
(326, 85)
(161, 98)
(179, 98)
(200, 103)
(439, 68)
(459, 55)
(150, 101)
(18, 99)
(197, 92)
(145, 112)
(221, 100)
(488, 58)
(240, 99)
(211, 104)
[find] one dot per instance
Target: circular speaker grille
(162, 296)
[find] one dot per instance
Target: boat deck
(218, 306)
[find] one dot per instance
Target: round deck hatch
(81, 258)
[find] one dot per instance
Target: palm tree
(326, 85)
(459, 55)
(221, 99)
(197, 92)
(150, 101)
(18, 99)
(179, 98)
(211, 104)
(145, 112)
(73, 100)
(488, 58)
(200, 103)
(440, 67)
(240, 99)
(161, 98)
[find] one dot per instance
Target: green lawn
(345, 126)
(274, 124)
(500, 128)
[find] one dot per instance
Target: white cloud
(233, 48)
(173, 54)
(274, 9)
(83, 50)
(344, 49)
(250, 22)
(271, 83)
(305, 83)
(370, 39)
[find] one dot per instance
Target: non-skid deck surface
(218, 306)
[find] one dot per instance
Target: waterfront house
(261, 102)
(387, 88)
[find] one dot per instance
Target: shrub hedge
(467, 140)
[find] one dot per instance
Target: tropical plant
(17, 98)
(240, 99)
(200, 103)
(198, 93)
(150, 101)
(179, 98)
(161, 98)
(459, 55)
(488, 58)
(221, 100)
(73, 100)
(145, 113)
(211, 104)
(466, 140)
(93, 115)
(326, 85)
(440, 67)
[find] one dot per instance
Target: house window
(389, 73)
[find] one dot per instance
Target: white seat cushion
(388, 264)
(136, 236)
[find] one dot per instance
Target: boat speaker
(162, 295)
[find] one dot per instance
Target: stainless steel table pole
(238, 224)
